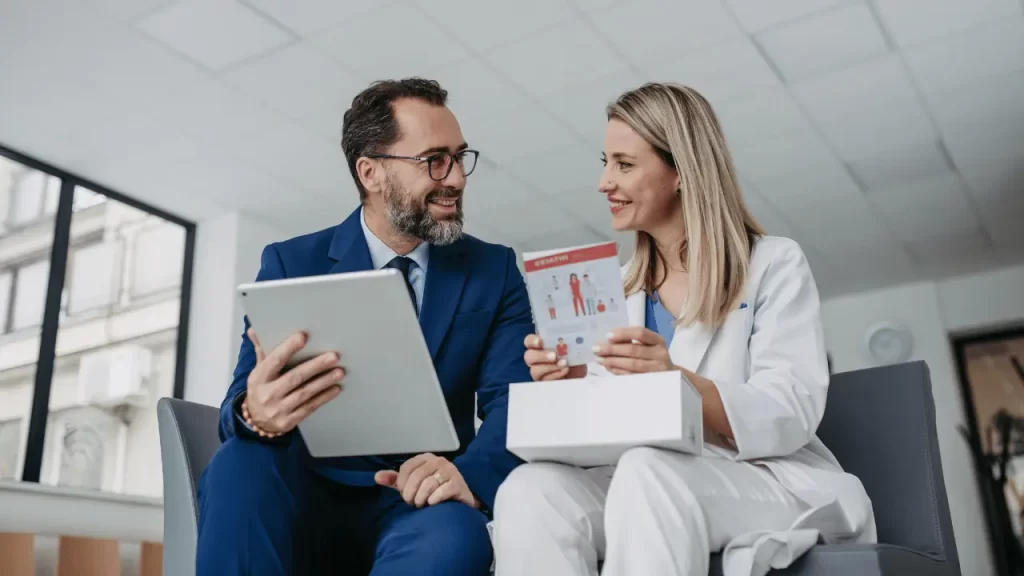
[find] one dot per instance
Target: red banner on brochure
(572, 257)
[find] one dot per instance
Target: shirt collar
(381, 253)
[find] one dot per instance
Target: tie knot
(401, 263)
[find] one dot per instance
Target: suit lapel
(446, 276)
(348, 247)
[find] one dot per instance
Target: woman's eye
(625, 165)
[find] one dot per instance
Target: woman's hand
(545, 364)
(634, 350)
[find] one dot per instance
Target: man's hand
(426, 480)
(277, 402)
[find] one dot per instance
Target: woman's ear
(678, 182)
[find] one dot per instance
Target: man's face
(415, 204)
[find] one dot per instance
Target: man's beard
(415, 221)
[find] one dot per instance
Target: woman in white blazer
(737, 312)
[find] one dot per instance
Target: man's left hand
(634, 350)
(426, 480)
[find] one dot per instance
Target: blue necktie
(403, 264)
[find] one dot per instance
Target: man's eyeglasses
(439, 165)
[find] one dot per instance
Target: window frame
(35, 437)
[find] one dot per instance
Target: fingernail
(610, 335)
(599, 360)
(596, 349)
(562, 362)
(552, 356)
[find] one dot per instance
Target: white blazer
(769, 364)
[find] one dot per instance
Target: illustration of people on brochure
(573, 320)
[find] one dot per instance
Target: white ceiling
(887, 136)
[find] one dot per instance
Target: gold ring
(438, 478)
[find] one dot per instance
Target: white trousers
(656, 512)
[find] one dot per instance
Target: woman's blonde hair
(719, 230)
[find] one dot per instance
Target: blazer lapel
(690, 345)
(446, 275)
(636, 308)
(348, 247)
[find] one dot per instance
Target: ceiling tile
(988, 100)
(306, 17)
(651, 28)
(583, 106)
(485, 25)
(768, 114)
(756, 15)
(476, 89)
(914, 21)
(766, 214)
(195, 28)
(995, 177)
(859, 226)
(888, 166)
(953, 254)
(567, 238)
(992, 49)
(416, 46)
(588, 206)
(504, 135)
(720, 72)
(132, 10)
(859, 269)
(926, 207)
(994, 139)
(561, 169)
(508, 216)
(840, 37)
(860, 106)
(776, 157)
(301, 83)
(557, 58)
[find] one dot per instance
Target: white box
(593, 421)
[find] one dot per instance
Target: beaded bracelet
(248, 420)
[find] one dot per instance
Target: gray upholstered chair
(879, 422)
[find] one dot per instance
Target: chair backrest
(188, 440)
(880, 424)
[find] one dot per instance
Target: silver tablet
(391, 400)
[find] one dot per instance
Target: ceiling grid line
(819, 134)
(966, 188)
(538, 195)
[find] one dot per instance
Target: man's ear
(369, 174)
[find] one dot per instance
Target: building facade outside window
(118, 344)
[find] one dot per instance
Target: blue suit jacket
(475, 317)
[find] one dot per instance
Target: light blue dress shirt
(381, 254)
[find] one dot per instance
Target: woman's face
(641, 188)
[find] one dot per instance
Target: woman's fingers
(635, 334)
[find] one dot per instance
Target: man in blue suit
(265, 505)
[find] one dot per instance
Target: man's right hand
(277, 402)
(545, 364)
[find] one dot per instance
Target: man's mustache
(444, 194)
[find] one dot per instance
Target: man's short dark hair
(370, 126)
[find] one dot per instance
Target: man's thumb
(388, 478)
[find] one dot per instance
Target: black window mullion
(183, 312)
(35, 442)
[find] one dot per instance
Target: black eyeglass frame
(430, 159)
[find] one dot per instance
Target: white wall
(227, 253)
(932, 311)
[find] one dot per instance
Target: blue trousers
(264, 510)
